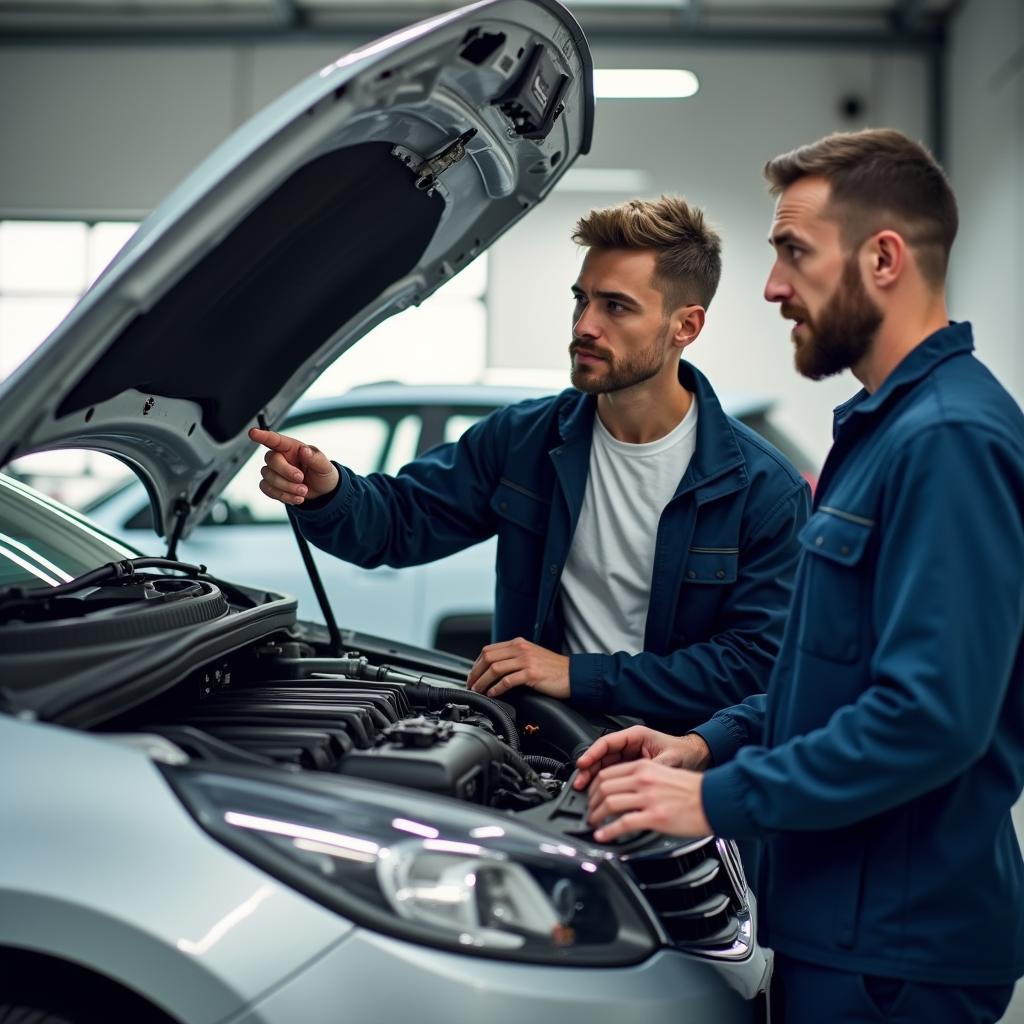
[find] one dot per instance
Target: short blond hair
(688, 251)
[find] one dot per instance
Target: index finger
(272, 439)
(599, 755)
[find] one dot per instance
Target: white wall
(986, 163)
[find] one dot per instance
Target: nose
(777, 288)
(585, 325)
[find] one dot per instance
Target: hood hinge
(430, 169)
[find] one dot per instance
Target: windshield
(42, 542)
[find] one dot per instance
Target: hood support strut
(313, 572)
(180, 518)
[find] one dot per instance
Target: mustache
(590, 350)
(794, 313)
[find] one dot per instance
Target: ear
(887, 255)
(687, 322)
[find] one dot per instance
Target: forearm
(688, 686)
(433, 508)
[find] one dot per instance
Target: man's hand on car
(641, 743)
(294, 472)
(500, 667)
(644, 796)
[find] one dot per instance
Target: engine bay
(282, 704)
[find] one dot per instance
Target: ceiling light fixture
(644, 83)
(604, 179)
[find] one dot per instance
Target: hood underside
(350, 198)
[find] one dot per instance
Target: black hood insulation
(331, 257)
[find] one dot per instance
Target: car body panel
(87, 878)
(440, 988)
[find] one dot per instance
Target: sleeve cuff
(722, 796)
(586, 680)
(723, 737)
(328, 506)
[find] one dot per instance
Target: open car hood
(353, 196)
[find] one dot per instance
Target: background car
(445, 604)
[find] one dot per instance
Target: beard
(843, 332)
(616, 374)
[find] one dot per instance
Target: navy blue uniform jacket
(884, 760)
(723, 566)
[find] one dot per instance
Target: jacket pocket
(711, 565)
(833, 590)
(522, 517)
(519, 505)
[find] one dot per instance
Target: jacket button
(503, 505)
(720, 574)
(819, 541)
(691, 575)
(844, 550)
(536, 626)
(554, 570)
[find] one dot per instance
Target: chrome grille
(697, 889)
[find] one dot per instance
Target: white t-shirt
(606, 582)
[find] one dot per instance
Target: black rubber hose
(494, 711)
(435, 698)
(528, 772)
(544, 764)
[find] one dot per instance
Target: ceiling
(897, 23)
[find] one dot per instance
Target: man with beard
(646, 540)
(882, 765)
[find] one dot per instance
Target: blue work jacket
(884, 760)
(723, 565)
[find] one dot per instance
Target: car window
(73, 476)
(358, 441)
(41, 542)
(403, 443)
(458, 423)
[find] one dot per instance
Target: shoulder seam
(763, 445)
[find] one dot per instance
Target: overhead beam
(286, 11)
(302, 30)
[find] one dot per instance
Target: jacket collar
(956, 339)
(717, 453)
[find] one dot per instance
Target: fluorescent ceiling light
(674, 5)
(604, 179)
(644, 83)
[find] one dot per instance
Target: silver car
(214, 811)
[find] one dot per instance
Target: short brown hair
(688, 251)
(879, 178)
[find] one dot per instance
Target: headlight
(452, 876)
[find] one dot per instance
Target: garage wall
(102, 131)
(986, 162)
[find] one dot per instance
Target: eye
(794, 252)
(615, 307)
